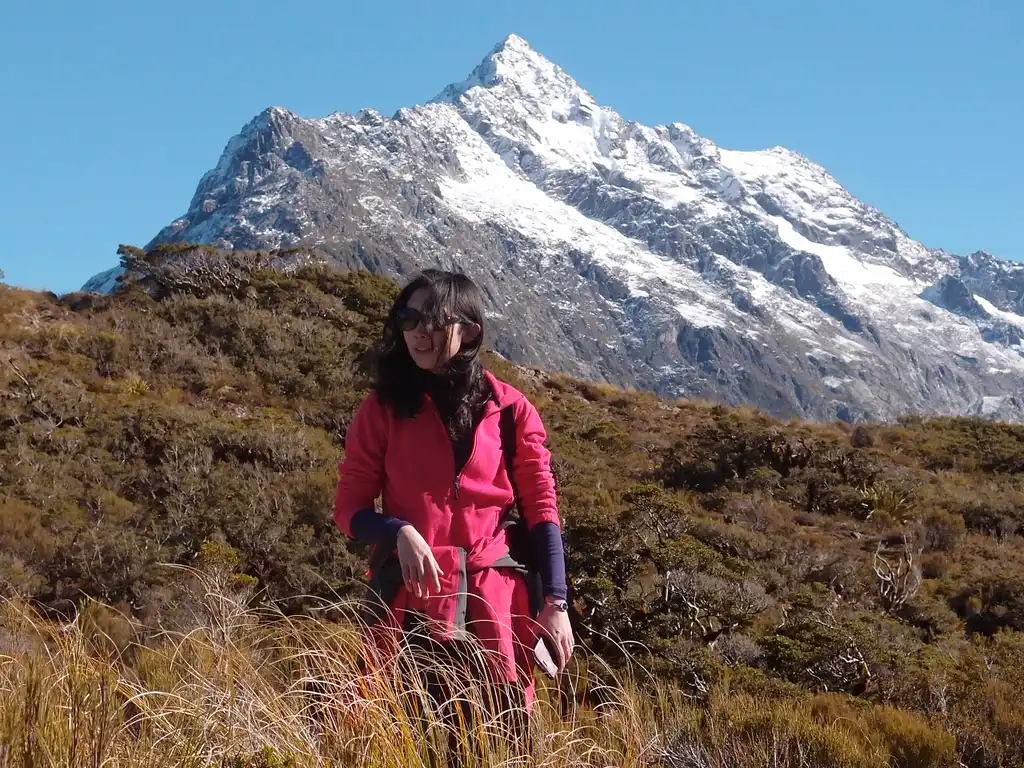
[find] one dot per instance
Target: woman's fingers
(416, 573)
(420, 570)
(567, 648)
(558, 628)
(559, 641)
(407, 576)
(434, 573)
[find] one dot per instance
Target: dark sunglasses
(409, 319)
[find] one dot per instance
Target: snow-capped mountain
(643, 256)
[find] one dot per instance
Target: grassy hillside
(854, 595)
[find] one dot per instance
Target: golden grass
(244, 688)
(248, 689)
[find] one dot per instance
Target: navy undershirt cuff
(373, 528)
(547, 546)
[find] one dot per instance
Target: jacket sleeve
(532, 468)
(361, 472)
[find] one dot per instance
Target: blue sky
(113, 110)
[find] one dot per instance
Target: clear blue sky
(113, 110)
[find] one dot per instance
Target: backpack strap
(507, 428)
(513, 522)
(521, 549)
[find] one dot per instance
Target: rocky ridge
(642, 256)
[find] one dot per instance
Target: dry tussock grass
(248, 688)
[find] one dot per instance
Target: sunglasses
(409, 319)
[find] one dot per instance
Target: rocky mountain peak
(514, 73)
(640, 255)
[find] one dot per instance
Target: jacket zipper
(457, 480)
(472, 452)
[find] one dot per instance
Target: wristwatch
(557, 603)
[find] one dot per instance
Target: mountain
(641, 256)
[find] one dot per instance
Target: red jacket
(410, 464)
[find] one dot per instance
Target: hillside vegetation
(828, 594)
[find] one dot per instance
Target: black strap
(507, 427)
(514, 521)
(521, 546)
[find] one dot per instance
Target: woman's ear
(471, 332)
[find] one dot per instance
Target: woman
(427, 439)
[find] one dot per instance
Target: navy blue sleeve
(373, 528)
(547, 546)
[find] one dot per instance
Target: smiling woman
(433, 440)
(432, 336)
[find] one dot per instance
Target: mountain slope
(636, 255)
(726, 552)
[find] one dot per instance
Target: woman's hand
(555, 624)
(420, 570)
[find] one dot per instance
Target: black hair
(460, 389)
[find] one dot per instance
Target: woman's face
(431, 351)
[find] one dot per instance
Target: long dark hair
(461, 386)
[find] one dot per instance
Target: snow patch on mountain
(801, 191)
(991, 405)
(1010, 318)
(854, 274)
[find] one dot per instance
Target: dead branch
(24, 379)
(899, 576)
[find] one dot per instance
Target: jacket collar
(502, 395)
